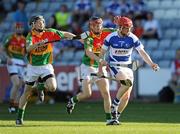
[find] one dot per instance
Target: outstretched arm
(148, 60)
(68, 35)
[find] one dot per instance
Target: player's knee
(87, 94)
(127, 82)
(52, 87)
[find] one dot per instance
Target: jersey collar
(35, 34)
(94, 35)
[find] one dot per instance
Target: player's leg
(123, 103)
(14, 76)
(48, 77)
(86, 88)
(103, 86)
(46, 81)
(84, 94)
(125, 74)
(21, 75)
(32, 75)
(50, 83)
(16, 84)
(40, 86)
(22, 103)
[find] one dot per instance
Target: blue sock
(116, 102)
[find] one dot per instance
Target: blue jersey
(120, 48)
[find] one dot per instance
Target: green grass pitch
(89, 118)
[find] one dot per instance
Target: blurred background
(156, 23)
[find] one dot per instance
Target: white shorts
(125, 70)
(85, 71)
(34, 72)
(18, 67)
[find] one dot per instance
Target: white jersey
(120, 48)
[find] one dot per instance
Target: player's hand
(43, 42)
(155, 67)
(69, 35)
(100, 73)
(102, 62)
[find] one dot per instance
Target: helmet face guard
(34, 19)
(19, 28)
(94, 22)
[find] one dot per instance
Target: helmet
(33, 19)
(19, 27)
(95, 20)
(123, 21)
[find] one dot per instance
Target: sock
(74, 99)
(41, 86)
(108, 116)
(20, 113)
(118, 115)
(116, 102)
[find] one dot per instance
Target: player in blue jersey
(120, 45)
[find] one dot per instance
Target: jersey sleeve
(6, 41)
(6, 44)
(137, 43)
(57, 35)
(88, 43)
(29, 40)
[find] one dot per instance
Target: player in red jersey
(39, 55)
(14, 47)
(90, 63)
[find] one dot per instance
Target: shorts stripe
(114, 70)
(11, 74)
(30, 83)
(47, 77)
